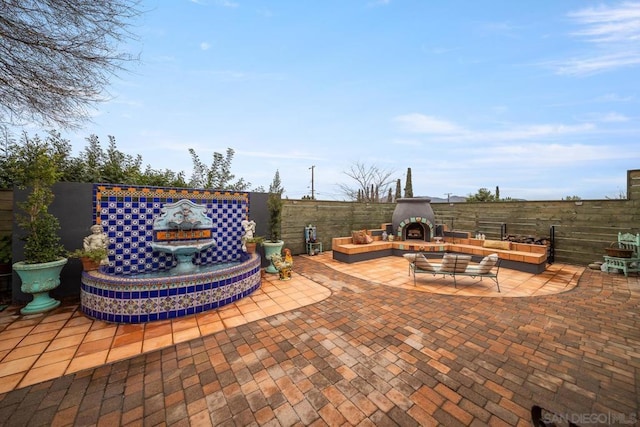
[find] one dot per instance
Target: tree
(118, 166)
(408, 188)
(621, 196)
(398, 189)
(483, 195)
(36, 168)
(218, 175)
(571, 198)
(93, 165)
(8, 146)
(274, 206)
(161, 178)
(53, 149)
(370, 181)
(390, 196)
(56, 57)
(276, 185)
(497, 193)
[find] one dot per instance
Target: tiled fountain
(171, 254)
(183, 230)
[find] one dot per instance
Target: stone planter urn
(38, 279)
(271, 248)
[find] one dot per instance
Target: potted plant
(94, 251)
(36, 169)
(5, 254)
(91, 259)
(252, 242)
(274, 205)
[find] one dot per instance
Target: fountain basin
(160, 296)
(183, 251)
(182, 248)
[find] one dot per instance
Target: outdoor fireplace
(413, 219)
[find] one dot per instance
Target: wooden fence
(582, 228)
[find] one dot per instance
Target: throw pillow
(453, 263)
(358, 237)
(497, 244)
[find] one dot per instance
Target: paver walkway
(375, 355)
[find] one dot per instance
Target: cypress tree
(408, 189)
(398, 189)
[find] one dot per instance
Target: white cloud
(537, 131)
(606, 24)
(420, 123)
(227, 3)
(550, 154)
(379, 3)
(447, 130)
(406, 142)
(615, 33)
(597, 64)
(240, 76)
(204, 46)
(614, 97)
(612, 117)
(279, 155)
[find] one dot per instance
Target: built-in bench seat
(345, 250)
(525, 257)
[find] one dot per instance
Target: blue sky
(540, 98)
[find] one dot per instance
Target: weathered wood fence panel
(582, 228)
(332, 218)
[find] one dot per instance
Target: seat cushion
(454, 263)
(410, 257)
(497, 244)
(422, 263)
(487, 263)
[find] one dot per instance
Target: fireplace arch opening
(415, 231)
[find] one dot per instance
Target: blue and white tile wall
(127, 214)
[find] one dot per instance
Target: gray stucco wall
(73, 206)
(74, 209)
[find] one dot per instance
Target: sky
(539, 98)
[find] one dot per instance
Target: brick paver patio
(374, 355)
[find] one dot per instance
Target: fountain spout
(183, 229)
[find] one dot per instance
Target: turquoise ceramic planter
(271, 248)
(38, 280)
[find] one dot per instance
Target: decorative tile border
(134, 299)
(127, 214)
(413, 220)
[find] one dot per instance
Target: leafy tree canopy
(483, 195)
(218, 175)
